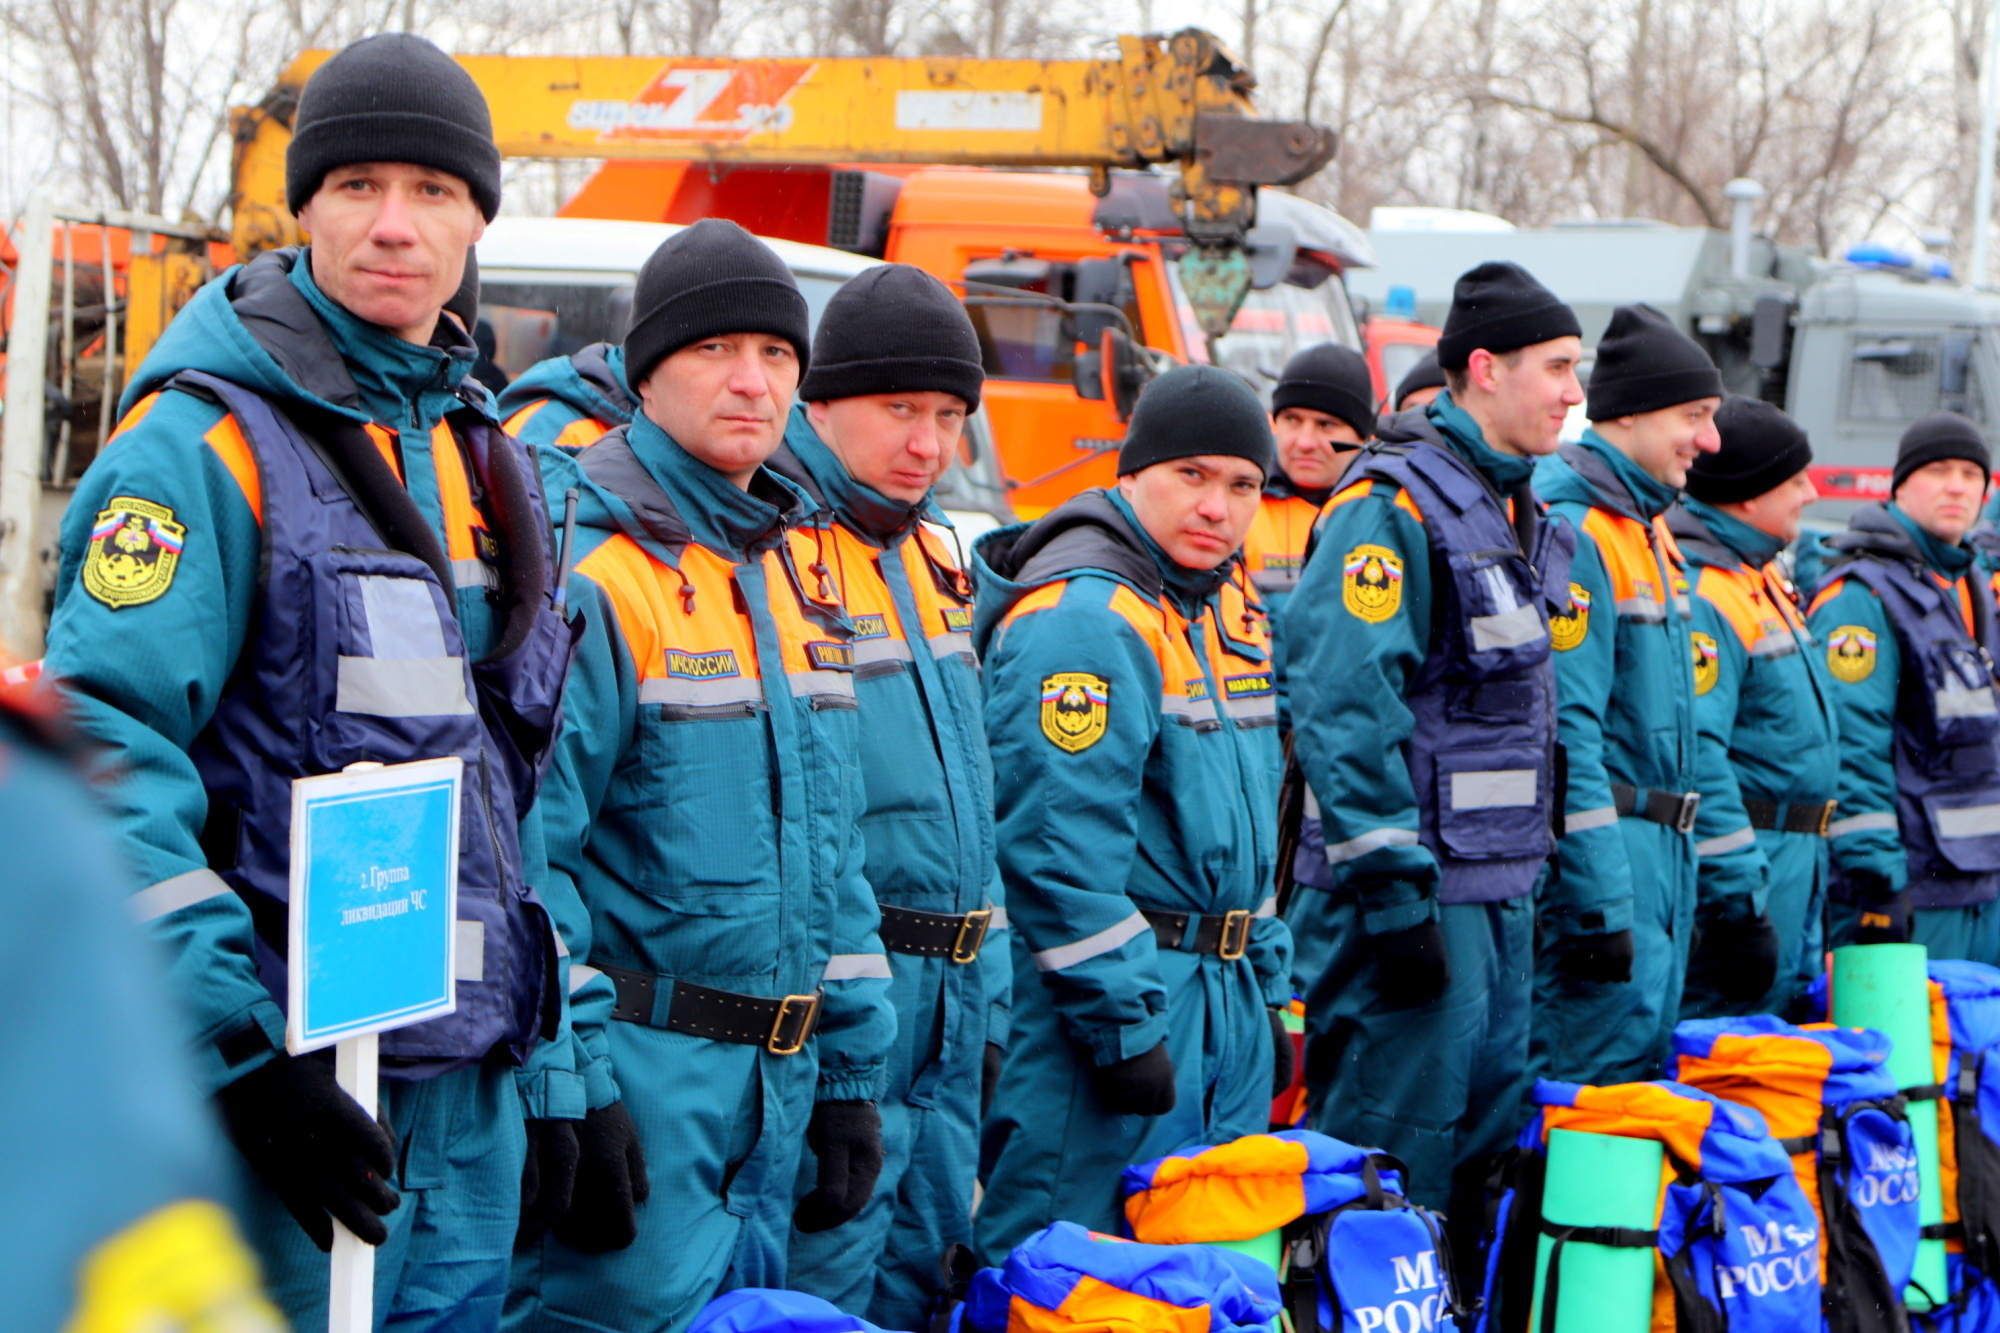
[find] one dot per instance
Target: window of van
(1896, 378)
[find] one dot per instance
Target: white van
(548, 286)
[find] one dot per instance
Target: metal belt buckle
(1235, 935)
(1684, 820)
(779, 1042)
(1826, 817)
(973, 925)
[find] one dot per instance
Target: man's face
(1526, 394)
(389, 242)
(1313, 447)
(1665, 442)
(1778, 511)
(724, 399)
(1943, 498)
(1197, 509)
(896, 443)
(1419, 397)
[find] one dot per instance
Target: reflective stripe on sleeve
(1602, 817)
(1090, 946)
(1269, 907)
(1728, 842)
(998, 921)
(171, 895)
(1881, 819)
(1355, 848)
(856, 966)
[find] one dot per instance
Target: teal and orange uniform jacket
(569, 401)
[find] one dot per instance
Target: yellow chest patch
(1566, 631)
(1850, 654)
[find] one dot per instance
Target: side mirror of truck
(1126, 371)
(1102, 283)
(1771, 331)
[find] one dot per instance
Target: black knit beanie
(894, 329)
(1332, 379)
(1196, 410)
(1644, 364)
(1426, 374)
(1762, 448)
(1938, 436)
(713, 277)
(1500, 307)
(392, 98)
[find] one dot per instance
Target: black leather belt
(954, 935)
(781, 1026)
(1790, 818)
(1227, 936)
(1675, 809)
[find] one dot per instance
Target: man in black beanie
(1769, 754)
(1322, 412)
(703, 822)
(1423, 382)
(1617, 910)
(1130, 711)
(1916, 855)
(895, 371)
(1412, 912)
(288, 563)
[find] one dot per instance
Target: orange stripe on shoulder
(1369, 487)
(1041, 599)
(136, 415)
(512, 425)
(582, 432)
(1728, 592)
(624, 573)
(1826, 594)
(227, 439)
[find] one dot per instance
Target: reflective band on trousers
(1354, 848)
(1881, 820)
(1489, 789)
(1090, 946)
(1601, 817)
(855, 966)
(1955, 700)
(1728, 842)
(1970, 821)
(171, 895)
(401, 686)
(1509, 629)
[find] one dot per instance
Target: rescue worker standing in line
(1421, 386)
(1130, 709)
(895, 371)
(310, 546)
(1907, 617)
(1769, 756)
(1322, 412)
(569, 401)
(1617, 910)
(704, 808)
(1423, 708)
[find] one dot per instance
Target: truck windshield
(1275, 323)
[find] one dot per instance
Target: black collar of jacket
(1604, 481)
(1087, 533)
(1874, 531)
(1697, 542)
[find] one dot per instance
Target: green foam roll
(1268, 1248)
(1599, 1180)
(1887, 987)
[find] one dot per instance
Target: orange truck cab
(1046, 268)
(1396, 341)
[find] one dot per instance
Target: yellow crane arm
(1182, 99)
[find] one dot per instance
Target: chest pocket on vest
(1490, 802)
(1500, 611)
(398, 661)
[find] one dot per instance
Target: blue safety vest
(1482, 749)
(355, 654)
(1947, 733)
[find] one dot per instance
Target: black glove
(1604, 957)
(610, 1183)
(846, 1137)
(1410, 965)
(1142, 1085)
(1738, 957)
(989, 1076)
(1885, 913)
(314, 1146)
(548, 1177)
(1281, 1050)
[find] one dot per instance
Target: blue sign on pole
(374, 888)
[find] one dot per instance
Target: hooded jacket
(147, 669)
(1131, 715)
(568, 401)
(704, 810)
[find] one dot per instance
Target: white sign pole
(351, 1303)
